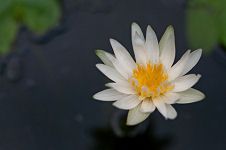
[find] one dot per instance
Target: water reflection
(118, 136)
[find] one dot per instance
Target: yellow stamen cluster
(150, 81)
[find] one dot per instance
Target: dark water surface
(47, 85)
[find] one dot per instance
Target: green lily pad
(4, 6)
(222, 28)
(41, 15)
(38, 15)
(201, 29)
(8, 31)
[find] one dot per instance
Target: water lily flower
(152, 81)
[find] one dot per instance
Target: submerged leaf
(201, 29)
(5, 4)
(41, 15)
(8, 30)
(38, 15)
(222, 27)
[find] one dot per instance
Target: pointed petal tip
(149, 28)
(98, 65)
(112, 40)
(171, 112)
(98, 52)
(94, 97)
(134, 24)
(128, 123)
(204, 96)
(172, 118)
(201, 96)
(190, 96)
(114, 43)
(170, 28)
(200, 50)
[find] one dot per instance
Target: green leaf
(41, 15)
(8, 30)
(37, 15)
(4, 6)
(207, 4)
(222, 27)
(201, 29)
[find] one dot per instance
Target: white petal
(122, 87)
(120, 69)
(106, 57)
(110, 60)
(160, 105)
(177, 69)
(147, 106)
(127, 103)
(167, 48)
(140, 51)
(193, 60)
(123, 55)
(108, 95)
(165, 109)
(135, 116)
(185, 82)
(152, 45)
(110, 72)
(138, 44)
(136, 29)
(189, 96)
(171, 112)
(171, 98)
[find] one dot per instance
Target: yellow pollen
(150, 81)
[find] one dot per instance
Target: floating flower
(152, 81)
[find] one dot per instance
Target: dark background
(47, 83)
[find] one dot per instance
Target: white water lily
(152, 81)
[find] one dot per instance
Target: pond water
(47, 85)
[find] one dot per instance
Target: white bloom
(152, 81)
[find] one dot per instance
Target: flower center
(150, 81)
